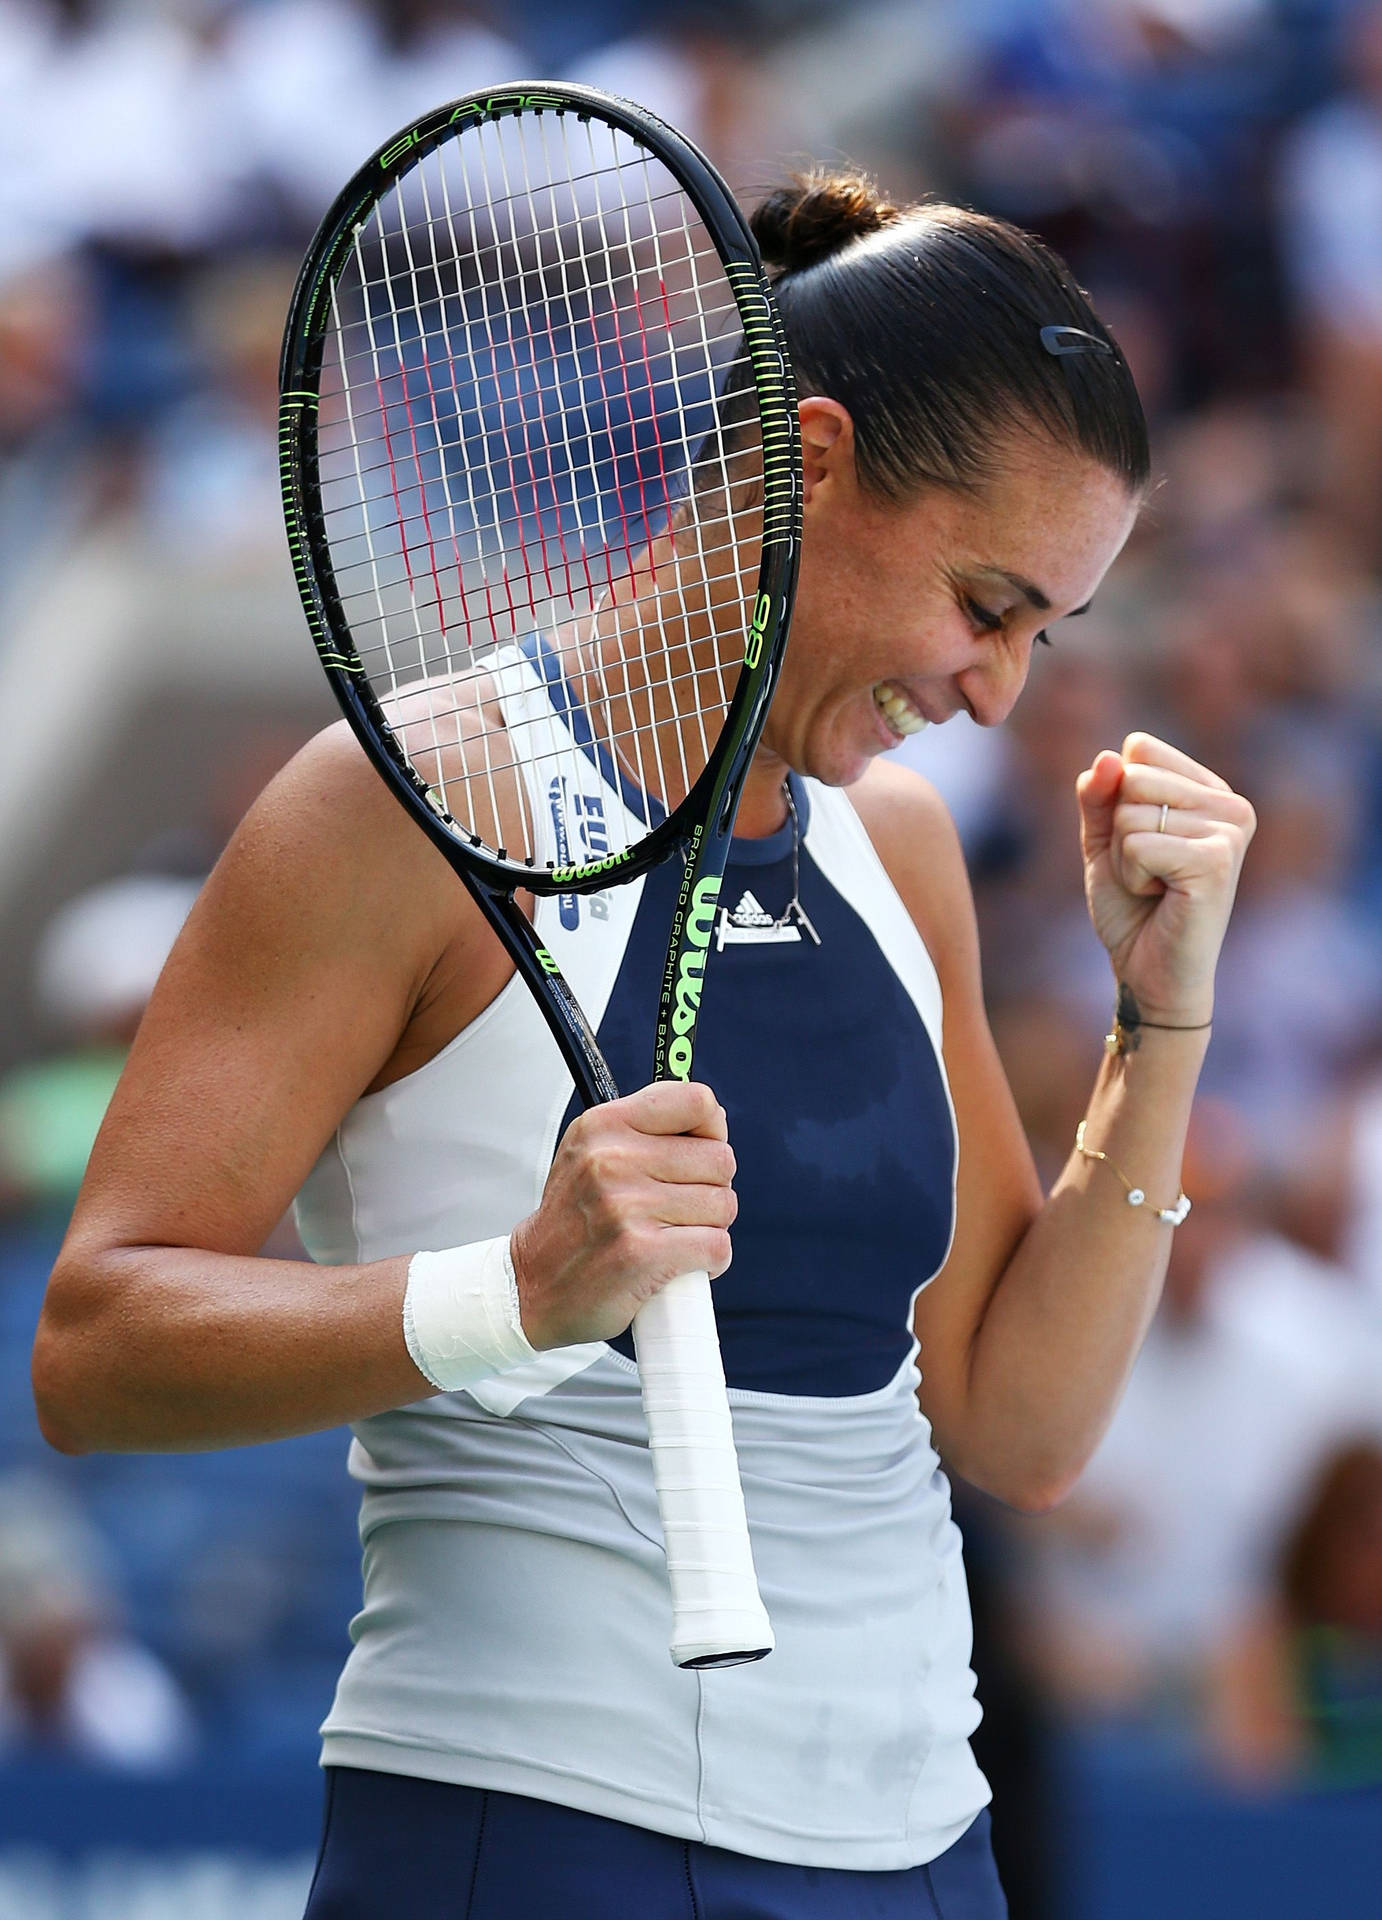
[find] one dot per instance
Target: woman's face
(907, 614)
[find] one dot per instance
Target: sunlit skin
(915, 594)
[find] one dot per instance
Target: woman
(509, 1735)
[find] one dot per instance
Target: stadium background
(170, 1628)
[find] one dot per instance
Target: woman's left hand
(1160, 886)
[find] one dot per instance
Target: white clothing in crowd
(1225, 1423)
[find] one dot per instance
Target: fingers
(1155, 789)
(620, 1174)
(1151, 862)
(1164, 840)
(1180, 821)
(679, 1204)
(1155, 785)
(643, 1256)
(637, 1132)
(1163, 803)
(1174, 780)
(1099, 784)
(702, 1250)
(627, 1206)
(673, 1106)
(1097, 791)
(1145, 750)
(687, 1159)
(614, 1159)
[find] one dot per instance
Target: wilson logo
(686, 1004)
(758, 627)
(562, 875)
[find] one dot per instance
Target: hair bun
(815, 216)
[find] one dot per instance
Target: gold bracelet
(1173, 1216)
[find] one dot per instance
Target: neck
(763, 804)
(692, 605)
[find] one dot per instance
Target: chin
(837, 755)
(842, 763)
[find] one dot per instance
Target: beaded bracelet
(1173, 1216)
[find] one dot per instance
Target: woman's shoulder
(328, 829)
(328, 879)
(892, 799)
(300, 978)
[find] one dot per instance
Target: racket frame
(697, 832)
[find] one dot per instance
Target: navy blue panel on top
(837, 1116)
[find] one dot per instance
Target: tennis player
(509, 1737)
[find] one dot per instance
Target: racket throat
(566, 1021)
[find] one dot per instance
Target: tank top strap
(839, 845)
(582, 803)
(581, 806)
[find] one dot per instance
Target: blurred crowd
(1211, 1597)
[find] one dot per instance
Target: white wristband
(460, 1315)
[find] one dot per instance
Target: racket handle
(718, 1619)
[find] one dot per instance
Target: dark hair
(926, 323)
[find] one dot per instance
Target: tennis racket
(538, 428)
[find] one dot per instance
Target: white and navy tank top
(516, 1613)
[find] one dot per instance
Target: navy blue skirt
(395, 1848)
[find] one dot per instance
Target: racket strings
(466, 268)
(623, 740)
(537, 419)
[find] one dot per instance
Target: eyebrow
(1033, 594)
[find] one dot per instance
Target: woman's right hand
(640, 1191)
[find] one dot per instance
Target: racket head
(536, 405)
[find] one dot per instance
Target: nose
(990, 689)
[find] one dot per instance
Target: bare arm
(1029, 1333)
(331, 951)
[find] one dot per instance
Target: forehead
(1051, 519)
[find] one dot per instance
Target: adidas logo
(750, 925)
(748, 913)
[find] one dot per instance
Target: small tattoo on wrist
(1126, 1034)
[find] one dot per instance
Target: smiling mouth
(902, 717)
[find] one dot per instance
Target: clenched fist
(1164, 840)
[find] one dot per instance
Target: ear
(827, 444)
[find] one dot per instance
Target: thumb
(1097, 792)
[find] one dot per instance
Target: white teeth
(897, 709)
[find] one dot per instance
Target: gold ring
(1161, 823)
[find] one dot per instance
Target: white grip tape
(460, 1315)
(716, 1610)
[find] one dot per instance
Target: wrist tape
(461, 1319)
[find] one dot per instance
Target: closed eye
(990, 622)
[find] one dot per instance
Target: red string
(638, 468)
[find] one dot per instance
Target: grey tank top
(514, 1627)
